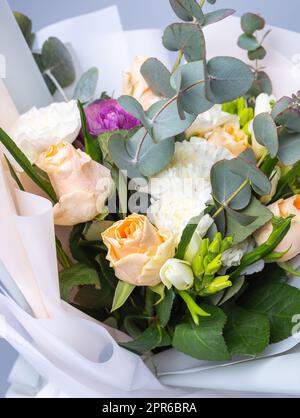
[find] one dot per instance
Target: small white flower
(233, 256)
(177, 273)
(208, 121)
(37, 129)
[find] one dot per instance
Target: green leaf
(103, 141)
(232, 291)
(256, 209)
(157, 77)
(229, 78)
(146, 160)
(187, 236)
(281, 105)
(258, 54)
(153, 337)
(289, 147)
(261, 84)
(91, 145)
(248, 42)
(94, 229)
(86, 86)
(132, 106)
(79, 252)
(289, 119)
(216, 16)
(187, 10)
(289, 269)
(164, 309)
(225, 183)
(192, 93)
(287, 179)
(123, 291)
(25, 25)
(57, 59)
(167, 120)
(78, 275)
(204, 341)
(265, 131)
(23, 161)
(251, 22)
(185, 37)
(246, 333)
(280, 302)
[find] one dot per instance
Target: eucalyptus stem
(57, 85)
(230, 199)
(178, 61)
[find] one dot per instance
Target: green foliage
(203, 341)
(157, 77)
(187, 10)
(91, 145)
(86, 86)
(251, 23)
(248, 42)
(122, 293)
(151, 338)
(23, 161)
(262, 84)
(164, 308)
(25, 25)
(77, 275)
(246, 333)
(265, 132)
(216, 16)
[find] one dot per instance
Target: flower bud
(177, 273)
(195, 243)
(214, 266)
(197, 265)
(220, 283)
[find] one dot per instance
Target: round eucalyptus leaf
(265, 131)
(157, 77)
(229, 78)
(86, 86)
(283, 104)
(225, 183)
(157, 157)
(38, 59)
(249, 171)
(242, 218)
(251, 22)
(167, 121)
(261, 84)
(290, 119)
(56, 58)
(248, 42)
(192, 95)
(132, 106)
(289, 148)
(25, 25)
(187, 10)
(120, 156)
(216, 16)
(185, 37)
(257, 54)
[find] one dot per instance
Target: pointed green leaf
(216, 16)
(164, 308)
(92, 147)
(123, 291)
(78, 275)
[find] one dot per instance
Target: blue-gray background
(137, 14)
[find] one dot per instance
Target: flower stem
(62, 257)
(57, 85)
(230, 199)
(178, 61)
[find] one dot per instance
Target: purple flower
(107, 115)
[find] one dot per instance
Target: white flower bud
(194, 246)
(177, 273)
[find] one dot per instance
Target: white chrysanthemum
(37, 129)
(181, 191)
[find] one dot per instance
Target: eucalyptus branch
(230, 199)
(57, 85)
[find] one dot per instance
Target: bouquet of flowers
(180, 199)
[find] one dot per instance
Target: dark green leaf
(216, 16)
(229, 78)
(265, 132)
(246, 333)
(232, 291)
(289, 147)
(251, 22)
(204, 341)
(91, 145)
(86, 86)
(151, 338)
(185, 37)
(257, 54)
(280, 302)
(225, 183)
(287, 179)
(164, 308)
(77, 275)
(261, 84)
(157, 77)
(187, 10)
(248, 42)
(187, 236)
(25, 25)
(94, 229)
(57, 59)
(23, 161)
(262, 216)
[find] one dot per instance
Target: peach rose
(291, 241)
(230, 137)
(81, 184)
(137, 250)
(136, 86)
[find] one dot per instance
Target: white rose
(36, 130)
(177, 273)
(208, 121)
